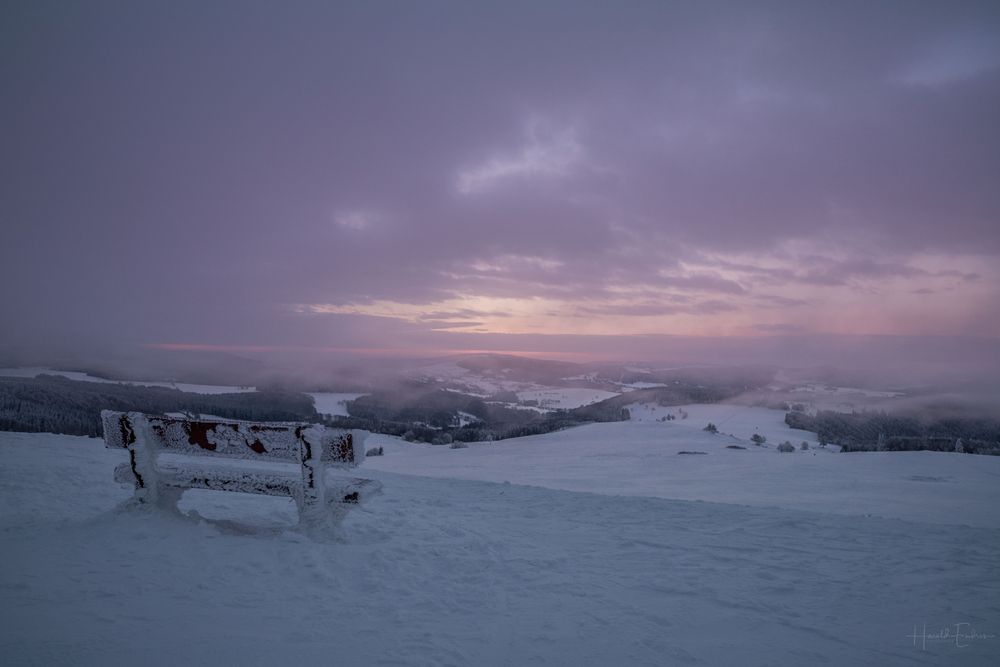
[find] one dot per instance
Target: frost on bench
(312, 447)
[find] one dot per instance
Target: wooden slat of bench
(195, 477)
(271, 483)
(233, 439)
(229, 439)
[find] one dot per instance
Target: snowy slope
(565, 398)
(452, 572)
(332, 404)
(485, 383)
(642, 458)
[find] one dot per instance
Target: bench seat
(244, 479)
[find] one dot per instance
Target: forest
(888, 432)
(55, 404)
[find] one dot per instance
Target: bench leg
(312, 499)
(141, 457)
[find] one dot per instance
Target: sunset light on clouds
(411, 176)
(711, 295)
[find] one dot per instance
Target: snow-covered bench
(161, 481)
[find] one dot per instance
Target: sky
(564, 177)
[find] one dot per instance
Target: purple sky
(509, 176)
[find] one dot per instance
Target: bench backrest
(235, 439)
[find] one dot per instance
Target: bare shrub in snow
(786, 447)
(374, 451)
(758, 439)
(711, 428)
(804, 446)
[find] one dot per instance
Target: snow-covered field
(739, 421)
(643, 457)
(489, 383)
(332, 404)
(772, 559)
(468, 381)
(565, 398)
(845, 391)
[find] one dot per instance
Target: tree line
(881, 431)
(54, 404)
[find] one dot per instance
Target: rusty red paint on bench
(281, 441)
(197, 433)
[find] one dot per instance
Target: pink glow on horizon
(387, 352)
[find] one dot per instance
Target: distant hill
(426, 413)
(522, 369)
(54, 404)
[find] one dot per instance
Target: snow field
(642, 458)
(331, 403)
(459, 572)
(565, 398)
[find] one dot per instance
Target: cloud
(829, 264)
(777, 301)
(460, 313)
(830, 166)
(699, 282)
(356, 220)
(657, 309)
(439, 325)
(778, 328)
(546, 153)
(954, 58)
(509, 263)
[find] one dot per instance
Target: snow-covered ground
(463, 572)
(30, 372)
(468, 381)
(640, 385)
(490, 383)
(736, 420)
(332, 404)
(643, 457)
(565, 398)
(845, 391)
